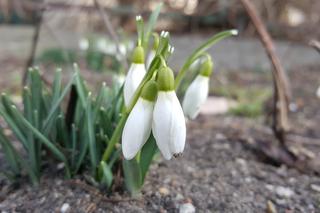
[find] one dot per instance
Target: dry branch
(110, 29)
(281, 86)
(34, 44)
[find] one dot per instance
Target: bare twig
(111, 30)
(281, 86)
(35, 39)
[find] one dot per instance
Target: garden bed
(218, 172)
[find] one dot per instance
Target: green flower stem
(117, 132)
(200, 50)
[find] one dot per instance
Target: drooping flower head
(168, 127)
(138, 126)
(135, 74)
(197, 92)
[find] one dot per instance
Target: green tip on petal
(165, 79)
(206, 67)
(156, 41)
(138, 55)
(150, 91)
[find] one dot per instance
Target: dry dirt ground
(218, 172)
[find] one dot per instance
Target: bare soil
(219, 171)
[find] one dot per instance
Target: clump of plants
(117, 132)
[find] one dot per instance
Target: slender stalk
(199, 51)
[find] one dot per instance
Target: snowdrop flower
(197, 92)
(169, 126)
(318, 92)
(152, 52)
(138, 126)
(83, 44)
(135, 74)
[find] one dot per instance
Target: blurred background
(57, 33)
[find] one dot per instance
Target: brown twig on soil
(35, 39)
(110, 29)
(315, 44)
(281, 86)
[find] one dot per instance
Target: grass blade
(132, 175)
(146, 156)
(90, 135)
(48, 122)
(59, 155)
(151, 24)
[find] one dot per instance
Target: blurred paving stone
(216, 105)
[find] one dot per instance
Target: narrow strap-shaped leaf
(81, 89)
(12, 123)
(132, 175)
(10, 152)
(7, 103)
(90, 135)
(62, 136)
(74, 144)
(56, 87)
(146, 156)
(48, 122)
(42, 138)
(36, 89)
(200, 50)
(151, 24)
(106, 176)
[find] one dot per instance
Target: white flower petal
(196, 95)
(150, 57)
(133, 79)
(318, 92)
(168, 127)
(137, 128)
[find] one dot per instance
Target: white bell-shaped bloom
(133, 79)
(195, 96)
(135, 75)
(197, 92)
(138, 125)
(150, 57)
(137, 128)
(168, 126)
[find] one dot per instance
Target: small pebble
(315, 187)
(187, 208)
(270, 207)
(164, 191)
(284, 192)
(65, 207)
